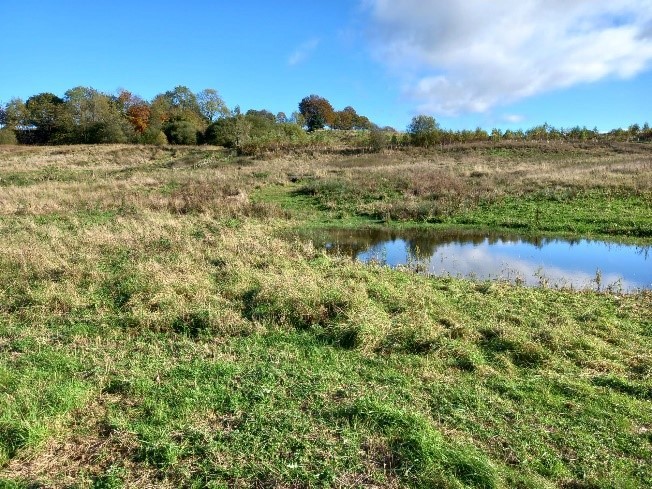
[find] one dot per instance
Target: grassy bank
(562, 190)
(155, 333)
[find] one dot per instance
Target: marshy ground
(159, 329)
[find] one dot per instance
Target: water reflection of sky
(559, 263)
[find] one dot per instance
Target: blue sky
(511, 63)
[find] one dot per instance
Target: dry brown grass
(499, 170)
(180, 180)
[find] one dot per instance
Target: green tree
(153, 136)
(182, 99)
(317, 112)
(211, 105)
(93, 117)
(297, 119)
(480, 134)
(377, 139)
(14, 114)
(179, 104)
(538, 133)
(362, 122)
(221, 132)
(264, 114)
(45, 113)
(159, 113)
(423, 130)
(292, 133)
(263, 124)
(634, 131)
(230, 132)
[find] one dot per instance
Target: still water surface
(578, 263)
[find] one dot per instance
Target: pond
(577, 264)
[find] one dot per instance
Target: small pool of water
(578, 264)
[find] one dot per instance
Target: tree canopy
(211, 105)
(423, 130)
(317, 112)
(180, 116)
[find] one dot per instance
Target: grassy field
(159, 329)
(535, 189)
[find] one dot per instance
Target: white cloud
(460, 57)
(303, 52)
(513, 118)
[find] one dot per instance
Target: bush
(7, 136)
(110, 132)
(154, 136)
(181, 132)
(377, 140)
(221, 133)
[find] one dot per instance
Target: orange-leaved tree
(317, 112)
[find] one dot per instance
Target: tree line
(178, 116)
(424, 131)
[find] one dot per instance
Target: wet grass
(156, 333)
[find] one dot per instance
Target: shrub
(181, 132)
(7, 136)
(377, 140)
(110, 132)
(221, 133)
(155, 137)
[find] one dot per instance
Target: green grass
(569, 212)
(585, 214)
(142, 346)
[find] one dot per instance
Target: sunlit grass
(156, 332)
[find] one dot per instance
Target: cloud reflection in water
(579, 264)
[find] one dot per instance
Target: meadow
(163, 325)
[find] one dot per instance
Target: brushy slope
(155, 332)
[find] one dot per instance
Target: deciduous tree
(7, 136)
(230, 132)
(345, 119)
(135, 110)
(14, 114)
(211, 104)
(138, 116)
(91, 117)
(317, 112)
(423, 130)
(179, 104)
(44, 114)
